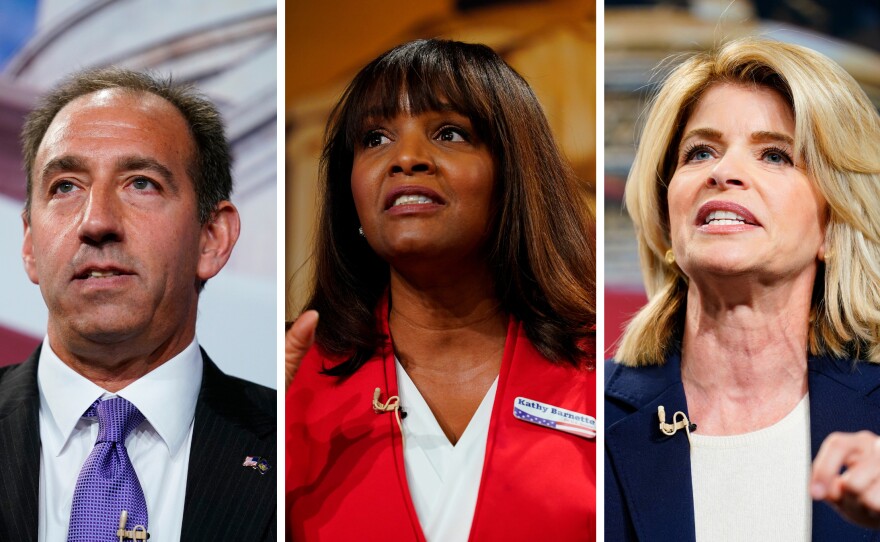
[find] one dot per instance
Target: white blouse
(443, 479)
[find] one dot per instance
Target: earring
(670, 257)
(361, 231)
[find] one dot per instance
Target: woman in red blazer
(450, 390)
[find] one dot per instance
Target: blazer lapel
(20, 450)
(389, 378)
(224, 499)
(665, 468)
(841, 400)
(538, 483)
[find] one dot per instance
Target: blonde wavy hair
(837, 133)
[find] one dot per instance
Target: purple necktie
(107, 483)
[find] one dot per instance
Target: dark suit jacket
(648, 492)
(224, 500)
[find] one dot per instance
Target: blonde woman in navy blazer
(756, 198)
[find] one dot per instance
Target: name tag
(554, 417)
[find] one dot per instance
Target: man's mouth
(100, 273)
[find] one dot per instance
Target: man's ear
(217, 238)
(27, 250)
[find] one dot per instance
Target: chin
(108, 334)
(109, 326)
(722, 265)
(412, 246)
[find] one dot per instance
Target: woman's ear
(823, 253)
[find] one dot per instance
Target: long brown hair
(540, 248)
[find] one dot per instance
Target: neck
(113, 366)
(744, 356)
(447, 324)
(448, 333)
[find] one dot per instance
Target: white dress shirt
(159, 447)
(444, 480)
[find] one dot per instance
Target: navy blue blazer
(648, 492)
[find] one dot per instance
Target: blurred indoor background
(551, 43)
(640, 34)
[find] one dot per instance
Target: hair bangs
(423, 76)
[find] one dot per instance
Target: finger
(297, 341)
(301, 334)
(871, 499)
(865, 472)
(837, 451)
(861, 509)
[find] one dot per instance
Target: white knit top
(754, 486)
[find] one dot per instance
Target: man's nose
(101, 218)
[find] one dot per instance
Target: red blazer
(345, 470)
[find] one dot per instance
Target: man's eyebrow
(63, 163)
(78, 164)
(145, 163)
(133, 163)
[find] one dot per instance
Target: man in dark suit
(127, 216)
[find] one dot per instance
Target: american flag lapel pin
(569, 421)
(259, 464)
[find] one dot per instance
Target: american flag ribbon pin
(259, 464)
(569, 421)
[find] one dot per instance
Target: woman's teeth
(412, 199)
(724, 218)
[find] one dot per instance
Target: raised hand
(855, 494)
(297, 341)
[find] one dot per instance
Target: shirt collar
(166, 396)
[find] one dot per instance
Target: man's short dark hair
(209, 168)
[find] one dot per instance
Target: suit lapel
(648, 463)
(225, 500)
(20, 451)
(839, 401)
